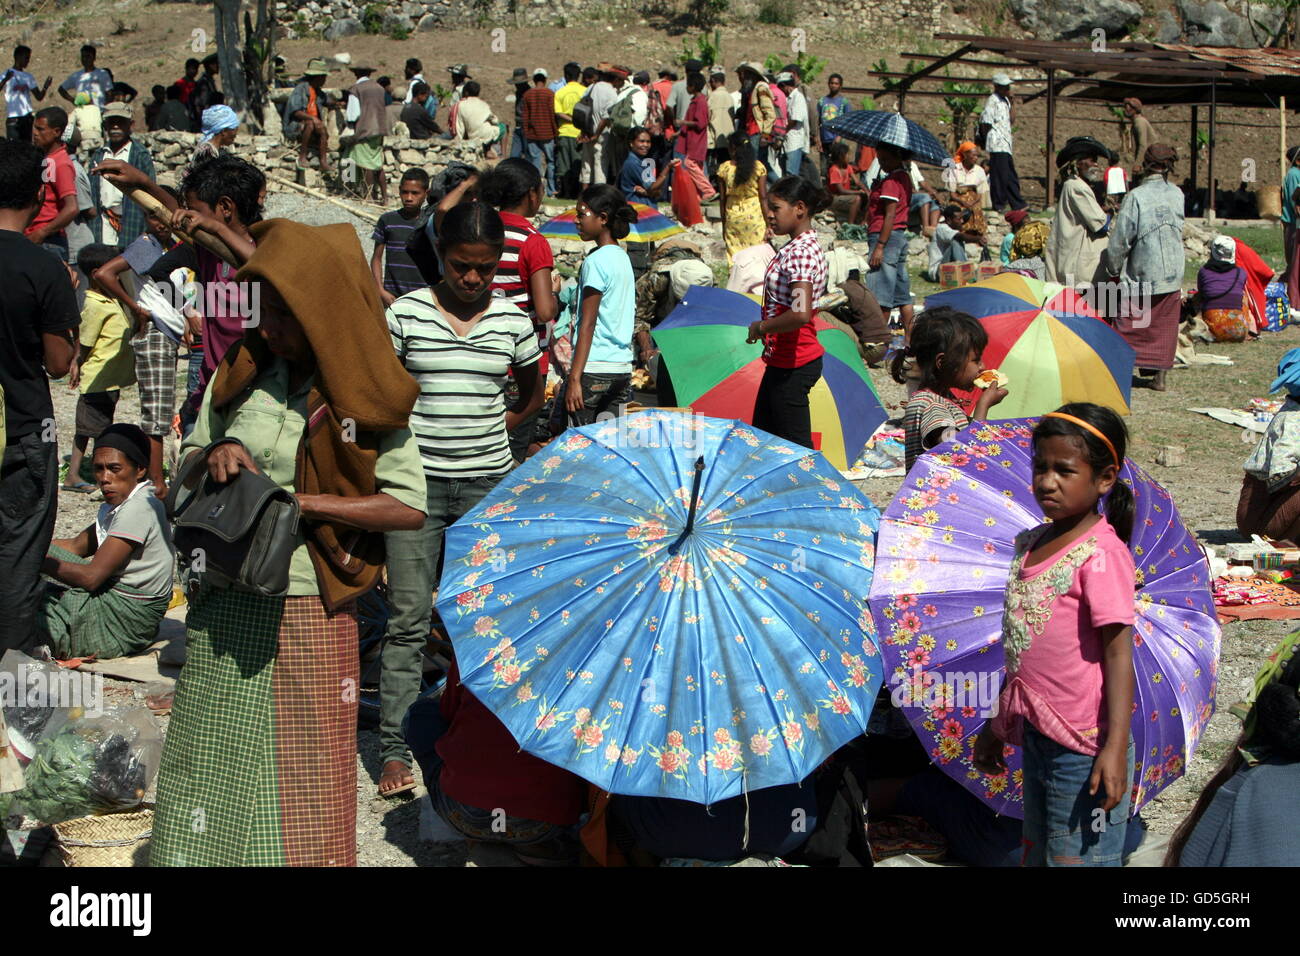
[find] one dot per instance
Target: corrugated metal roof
(1264, 61)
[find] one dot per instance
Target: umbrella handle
(695, 497)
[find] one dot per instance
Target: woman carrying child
(1067, 632)
(795, 280)
(115, 578)
(946, 351)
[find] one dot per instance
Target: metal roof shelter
(1156, 73)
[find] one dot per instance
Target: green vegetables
(84, 769)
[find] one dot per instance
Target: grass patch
(1265, 240)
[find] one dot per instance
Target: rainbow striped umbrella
(715, 372)
(1048, 341)
(651, 225)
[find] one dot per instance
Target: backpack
(622, 118)
(584, 114)
(654, 113)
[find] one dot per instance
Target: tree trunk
(259, 58)
(230, 54)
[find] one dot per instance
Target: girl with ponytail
(600, 323)
(1067, 633)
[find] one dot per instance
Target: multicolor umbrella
(651, 225)
(716, 372)
(1050, 343)
(669, 605)
(874, 127)
(945, 550)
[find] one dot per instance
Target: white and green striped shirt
(459, 419)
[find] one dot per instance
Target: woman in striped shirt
(460, 342)
(514, 189)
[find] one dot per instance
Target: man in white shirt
(603, 94)
(19, 87)
(995, 124)
(90, 80)
(721, 124)
(640, 94)
(796, 130)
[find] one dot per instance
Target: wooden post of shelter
(1209, 161)
(1281, 138)
(1051, 138)
(1194, 149)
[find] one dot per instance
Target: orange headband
(1092, 428)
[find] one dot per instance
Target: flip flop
(404, 788)
(81, 487)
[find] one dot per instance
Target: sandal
(81, 487)
(403, 788)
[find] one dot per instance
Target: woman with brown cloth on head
(259, 767)
(968, 185)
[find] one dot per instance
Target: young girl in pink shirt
(1067, 631)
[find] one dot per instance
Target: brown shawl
(361, 390)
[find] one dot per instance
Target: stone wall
(171, 152)
(335, 19)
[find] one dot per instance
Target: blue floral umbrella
(876, 127)
(669, 605)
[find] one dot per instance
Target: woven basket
(116, 839)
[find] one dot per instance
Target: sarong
(368, 153)
(969, 197)
(259, 767)
(1152, 331)
(1275, 516)
(112, 622)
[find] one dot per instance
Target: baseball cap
(541, 71)
(1001, 79)
(117, 111)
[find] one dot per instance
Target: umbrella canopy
(874, 127)
(1053, 348)
(716, 372)
(945, 550)
(669, 605)
(651, 225)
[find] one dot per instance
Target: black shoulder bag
(240, 534)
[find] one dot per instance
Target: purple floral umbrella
(942, 560)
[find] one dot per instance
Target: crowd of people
(388, 431)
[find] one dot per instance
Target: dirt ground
(159, 38)
(1205, 487)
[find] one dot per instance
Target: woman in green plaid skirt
(259, 766)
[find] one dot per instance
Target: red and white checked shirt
(800, 260)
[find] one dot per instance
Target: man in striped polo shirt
(394, 270)
(459, 342)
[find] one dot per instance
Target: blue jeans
(1064, 824)
(414, 565)
(537, 148)
(890, 284)
(517, 142)
(793, 160)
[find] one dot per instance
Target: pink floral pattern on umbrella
(944, 553)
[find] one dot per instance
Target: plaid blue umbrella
(874, 127)
(669, 605)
